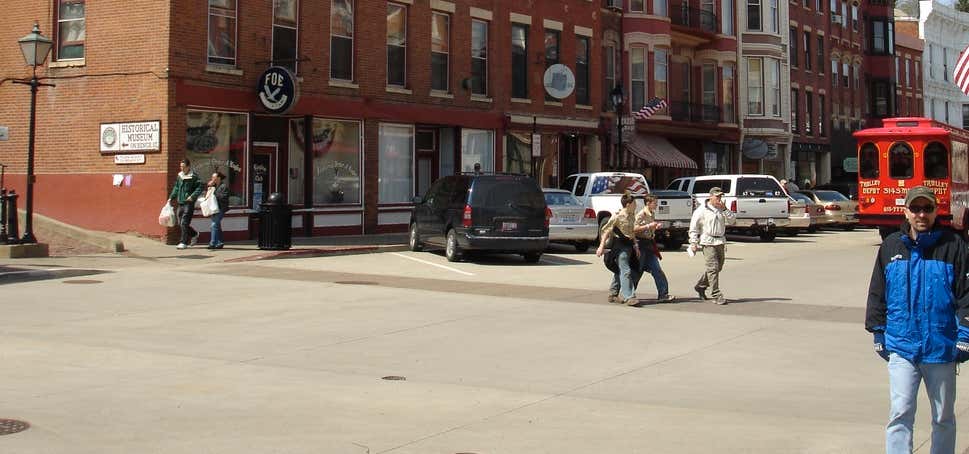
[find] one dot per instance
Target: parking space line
(433, 264)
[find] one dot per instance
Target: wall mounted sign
(537, 145)
(277, 90)
(129, 137)
(129, 159)
(559, 81)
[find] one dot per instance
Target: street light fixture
(35, 48)
(617, 95)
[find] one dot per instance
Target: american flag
(961, 74)
(652, 106)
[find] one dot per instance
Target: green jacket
(186, 186)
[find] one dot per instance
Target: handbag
(166, 217)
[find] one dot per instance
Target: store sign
(129, 159)
(559, 81)
(277, 90)
(537, 145)
(128, 137)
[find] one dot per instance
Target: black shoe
(701, 292)
(219, 246)
(210, 247)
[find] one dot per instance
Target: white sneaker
(180, 246)
(195, 240)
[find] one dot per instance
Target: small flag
(652, 106)
(961, 74)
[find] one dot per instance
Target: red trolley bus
(908, 152)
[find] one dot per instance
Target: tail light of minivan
(589, 214)
(466, 218)
(548, 216)
(733, 206)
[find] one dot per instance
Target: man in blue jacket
(918, 312)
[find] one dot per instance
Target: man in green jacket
(185, 193)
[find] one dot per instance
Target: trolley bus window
(868, 160)
(900, 161)
(936, 161)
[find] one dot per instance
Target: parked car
(838, 210)
(848, 189)
(482, 212)
(571, 222)
(798, 215)
(673, 211)
(760, 203)
(814, 210)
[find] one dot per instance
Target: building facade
(945, 33)
(379, 99)
(683, 52)
(908, 64)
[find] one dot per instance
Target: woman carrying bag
(623, 253)
(220, 191)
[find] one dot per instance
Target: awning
(658, 152)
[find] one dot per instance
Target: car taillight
(589, 214)
(733, 206)
(466, 218)
(548, 215)
(832, 207)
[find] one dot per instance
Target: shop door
(568, 156)
(262, 169)
(427, 155)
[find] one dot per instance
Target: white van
(761, 205)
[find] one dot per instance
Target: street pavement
(163, 351)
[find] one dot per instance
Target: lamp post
(616, 95)
(35, 48)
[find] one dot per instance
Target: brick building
(389, 96)
(686, 53)
(908, 65)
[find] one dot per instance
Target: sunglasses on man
(916, 209)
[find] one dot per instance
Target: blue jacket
(919, 295)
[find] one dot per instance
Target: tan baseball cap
(919, 192)
(716, 190)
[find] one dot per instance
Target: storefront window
(518, 153)
(336, 162)
(477, 146)
(295, 174)
(216, 141)
(396, 164)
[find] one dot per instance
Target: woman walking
(646, 226)
(623, 253)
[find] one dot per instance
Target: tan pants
(713, 256)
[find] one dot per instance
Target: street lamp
(616, 95)
(35, 48)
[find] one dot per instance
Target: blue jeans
(622, 282)
(216, 229)
(648, 261)
(940, 384)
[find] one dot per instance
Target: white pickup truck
(761, 205)
(601, 191)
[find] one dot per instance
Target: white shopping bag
(167, 216)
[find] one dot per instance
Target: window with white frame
(774, 17)
(609, 63)
(479, 57)
(792, 51)
(753, 15)
(395, 164)
(808, 112)
(727, 21)
(285, 28)
(659, 8)
(222, 32)
(70, 30)
(908, 74)
(898, 69)
(637, 6)
(729, 92)
(709, 79)
(396, 45)
(637, 74)
(844, 74)
(821, 121)
(755, 86)
(440, 51)
(477, 146)
(582, 70)
(834, 70)
(519, 61)
(341, 39)
(844, 13)
(775, 82)
(930, 60)
(820, 48)
(807, 51)
(661, 64)
(795, 100)
(854, 16)
(857, 75)
(945, 63)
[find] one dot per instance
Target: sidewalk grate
(12, 426)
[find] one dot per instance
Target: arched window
(900, 161)
(936, 161)
(868, 161)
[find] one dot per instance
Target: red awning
(658, 152)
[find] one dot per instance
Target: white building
(946, 34)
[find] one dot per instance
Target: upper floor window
(479, 57)
(637, 6)
(908, 74)
(821, 64)
(727, 21)
(659, 8)
(834, 71)
(285, 24)
(931, 60)
(728, 93)
(881, 37)
(519, 61)
(854, 17)
(857, 75)
(661, 65)
(582, 70)
(819, 6)
(821, 121)
(222, 32)
(795, 105)
(753, 15)
(440, 51)
(396, 45)
(70, 29)
(844, 74)
(552, 47)
(637, 75)
(792, 42)
(755, 86)
(808, 113)
(709, 87)
(609, 63)
(775, 84)
(807, 51)
(774, 17)
(945, 63)
(341, 39)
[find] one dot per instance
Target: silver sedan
(571, 222)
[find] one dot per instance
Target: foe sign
(277, 90)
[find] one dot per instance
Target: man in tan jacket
(707, 228)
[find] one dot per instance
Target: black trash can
(275, 225)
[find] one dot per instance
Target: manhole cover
(357, 282)
(12, 426)
(82, 281)
(393, 377)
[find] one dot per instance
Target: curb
(318, 252)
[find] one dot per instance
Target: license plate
(569, 219)
(509, 226)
